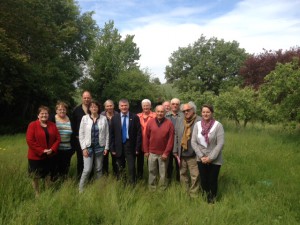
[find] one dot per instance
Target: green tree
(111, 56)
(43, 45)
(207, 65)
(281, 89)
(237, 104)
(134, 85)
(208, 97)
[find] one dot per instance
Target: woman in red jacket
(43, 140)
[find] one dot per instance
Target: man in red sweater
(158, 145)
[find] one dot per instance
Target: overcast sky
(162, 26)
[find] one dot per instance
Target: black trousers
(209, 179)
(63, 161)
(170, 168)
(106, 166)
(128, 155)
(140, 165)
(77, 149)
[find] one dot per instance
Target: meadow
(259, 183)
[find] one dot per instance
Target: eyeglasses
(187, 110)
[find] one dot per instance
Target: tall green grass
(259, 183)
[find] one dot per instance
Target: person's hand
(113, 153)
(146, 155)
(48, 151)
(85, 153)
(105, 152)
(205, 160)
(137, 153)
(175, 154)
(164, 157)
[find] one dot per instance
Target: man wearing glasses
(189, 173)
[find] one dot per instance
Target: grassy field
(259, 183)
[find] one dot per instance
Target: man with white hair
(144, 116)
(174, 115)
(189, 173)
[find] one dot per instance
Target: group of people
(173, 137)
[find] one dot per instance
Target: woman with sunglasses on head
(207, 141)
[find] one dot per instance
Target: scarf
(187, 131)
(206, 128)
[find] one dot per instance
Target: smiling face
(124, 107)
(160, 112)
(146, 107)
(61, 111)
(188, 111)
(109, 107)
(206, 114)
(43, 115)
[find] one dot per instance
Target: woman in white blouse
(94, 142)
(207, 141)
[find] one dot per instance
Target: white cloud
(254, 24)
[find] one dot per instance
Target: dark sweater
(159, 137)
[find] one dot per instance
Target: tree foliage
(282, 90)
(238, 104)
(42, 45)
(208, 97)
(207, 65)
(257, 67)
(111, 57)
(134, 85)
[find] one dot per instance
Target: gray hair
(146, 101)
(175, 100)
(160, 106)
(124, 100)
(191, 104)
(108, 101)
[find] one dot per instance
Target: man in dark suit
(125, 139)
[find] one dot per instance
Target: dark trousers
(140, 165)
(171, 161)
(209, 179)
(77, 148)
(63, 161)
(106, 162)
(127, 156)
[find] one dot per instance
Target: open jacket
(37, 142)
(216, 141)
(179, 130)
(85, 131)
